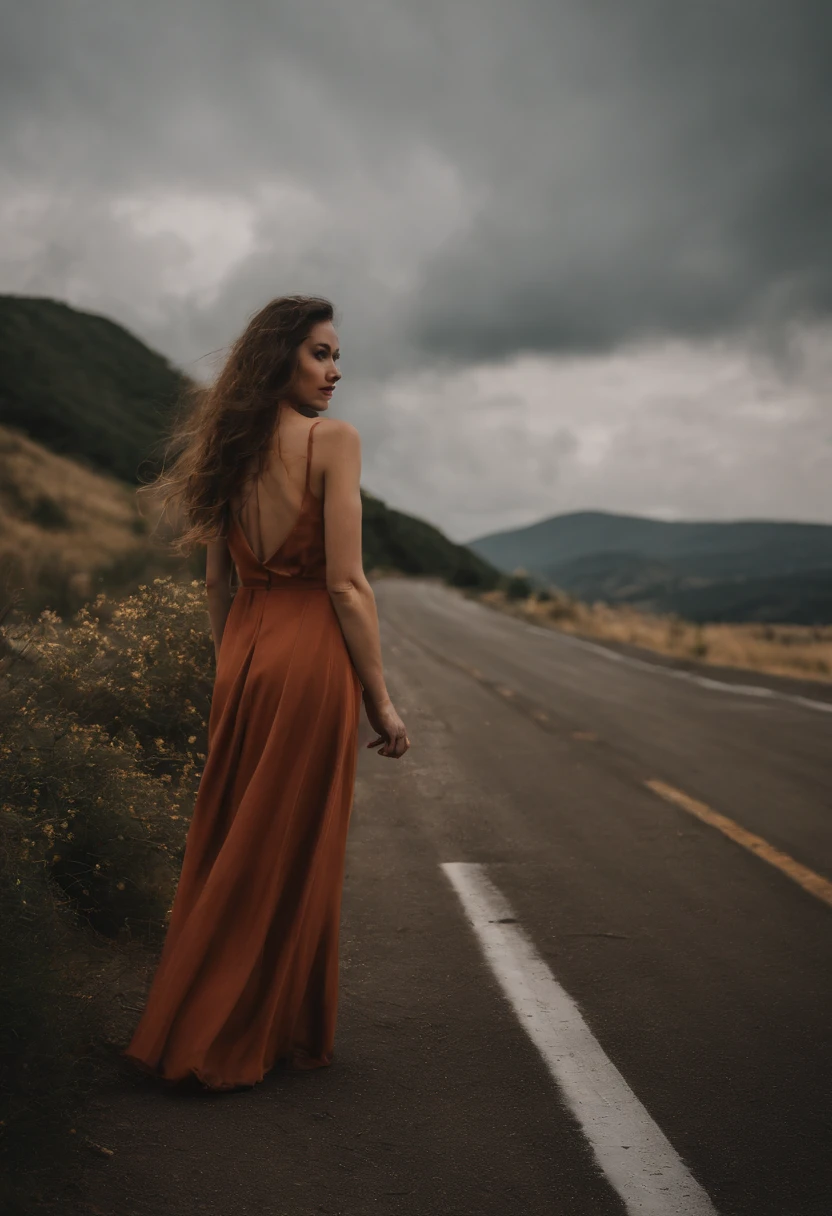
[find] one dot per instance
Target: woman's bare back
(268, 508)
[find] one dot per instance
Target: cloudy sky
(580, 250)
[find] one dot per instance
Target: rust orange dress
(249, 969)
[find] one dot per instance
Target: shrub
(102, 734)
(699, 646)
(470, 576)
(104, 831)
(518, 587)
(141, 668)
(48, 513)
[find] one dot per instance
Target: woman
(249, 970)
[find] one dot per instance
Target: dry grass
(67, 531)
(100, 513)
(799, 651)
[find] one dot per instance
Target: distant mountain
(736, 571)
(83, 386)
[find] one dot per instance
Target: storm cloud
(668, 172)
(542, 189)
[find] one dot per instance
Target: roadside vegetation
(103, 722)
(799, 651)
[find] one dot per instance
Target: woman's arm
(349, 589)
(351, 594)
(218, 568)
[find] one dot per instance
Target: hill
(391, 539)
(751, 570)
(82, 385)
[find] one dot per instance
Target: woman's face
(317, 372)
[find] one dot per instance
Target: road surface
(585, 955)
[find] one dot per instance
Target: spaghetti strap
(309, 452)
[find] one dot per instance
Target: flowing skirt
(249, 969)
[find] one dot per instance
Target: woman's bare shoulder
(341, 444)
(340, 429)
(340, 455)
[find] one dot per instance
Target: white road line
(635, 1155)
(744, 690)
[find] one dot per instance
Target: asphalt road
(646, 979)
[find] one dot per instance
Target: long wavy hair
(222, 434)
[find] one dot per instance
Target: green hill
(734, 571)
(83, 386)
(402, 542)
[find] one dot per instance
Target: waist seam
(287, 585)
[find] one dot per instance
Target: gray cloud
(467, 181)
(675, 178)
(629, 170)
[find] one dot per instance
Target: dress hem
(298, 1059)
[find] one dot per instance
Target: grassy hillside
(747, 571)
(66, 531)
(82, 385)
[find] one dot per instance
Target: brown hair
(225, 429)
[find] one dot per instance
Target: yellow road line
(820, 887)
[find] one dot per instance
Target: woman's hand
(388, 726)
